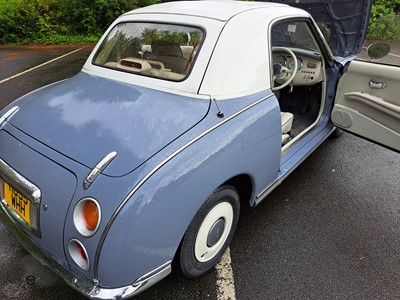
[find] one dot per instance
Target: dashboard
(309, 65)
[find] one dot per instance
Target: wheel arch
(244, 184)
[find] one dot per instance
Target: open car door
(368, 103)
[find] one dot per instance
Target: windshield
(293, 34)
(150, 49)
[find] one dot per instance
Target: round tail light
(87, 215)
(79, 254)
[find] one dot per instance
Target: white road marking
(225, 281)
(38, 66)
(395, 55)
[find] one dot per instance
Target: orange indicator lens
(91, 215)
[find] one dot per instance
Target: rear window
(150, 49)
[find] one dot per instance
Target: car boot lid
(87, 117)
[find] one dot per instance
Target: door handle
(377, 85)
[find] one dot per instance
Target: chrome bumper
(135, 288)
(82, 285)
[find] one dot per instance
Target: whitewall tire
(210, 232)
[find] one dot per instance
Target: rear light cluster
(87, 216)
(79, 254)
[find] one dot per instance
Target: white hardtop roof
(233, 60)
(221, 10)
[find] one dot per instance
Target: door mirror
(378, 50)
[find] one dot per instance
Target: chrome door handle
(377, 85)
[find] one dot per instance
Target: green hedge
(386, 28)
(72, 21)
(60, 21)
(383, 25)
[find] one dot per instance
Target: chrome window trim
(28, 189)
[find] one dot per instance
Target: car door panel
(368, 102)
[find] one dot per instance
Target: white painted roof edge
(221, 10)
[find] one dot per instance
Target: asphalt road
(393, 58)
(330, 231)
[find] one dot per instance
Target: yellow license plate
(18, 202)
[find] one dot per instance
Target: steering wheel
(282, 75)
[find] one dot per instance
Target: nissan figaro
(183, 113)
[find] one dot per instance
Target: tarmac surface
(393, 58)
(329, 231)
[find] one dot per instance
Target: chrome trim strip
(28, 189)
(95, 172)
(126, 199)
(135, 288)
(8, 114)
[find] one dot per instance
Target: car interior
(166, 51)
(298, 76)
(154, 50)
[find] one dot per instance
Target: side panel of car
(293, 156)
(368, 104)
(159, 212)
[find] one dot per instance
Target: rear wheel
(210, 232)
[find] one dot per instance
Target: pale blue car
(183, 113)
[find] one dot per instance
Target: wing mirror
(378, 50)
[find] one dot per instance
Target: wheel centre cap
(215, 232)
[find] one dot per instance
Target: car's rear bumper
(42, 255)
(84, 286)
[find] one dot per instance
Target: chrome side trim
(8, 114)
(28, 189)
(151, 173)
(95, 172)
(135, 288)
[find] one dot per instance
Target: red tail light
(79, 254)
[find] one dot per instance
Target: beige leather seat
(169, 54)
(287, 122)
